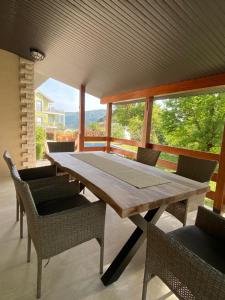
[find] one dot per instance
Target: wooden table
(127, 200)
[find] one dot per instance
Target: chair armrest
(37, 173)
(169, 259)
(210, 222)
(55, 191)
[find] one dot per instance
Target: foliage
(194, 122)
(117, 130)
(130, 117)
(95, 126)
(40, 142)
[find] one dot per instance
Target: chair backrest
(27, 202)
(195, 168)
(61, 146)
(8, 160)
(147, 156)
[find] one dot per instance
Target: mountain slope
(91, 116)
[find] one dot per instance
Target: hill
(91, 116)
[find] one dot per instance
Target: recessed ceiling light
(37, 55)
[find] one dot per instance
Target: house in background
(46, 115)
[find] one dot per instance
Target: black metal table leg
(127, 252)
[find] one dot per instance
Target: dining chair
(147, 156)
(42, 181)
(196, 169)
(59, 224)
(61, 146)
(189, 260)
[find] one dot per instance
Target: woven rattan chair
(189, 260)
(147, 156)
(59, 224)
(196, 169)
(61, 146)
(42, 181)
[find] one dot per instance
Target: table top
(126, 199)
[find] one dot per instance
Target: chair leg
(39, 276)
(21, 221)
(17, 210)
(101, 256)
(28, 247)
(145, 285)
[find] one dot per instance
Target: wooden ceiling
(114, 46)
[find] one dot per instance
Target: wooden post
(147, 121)
(220, 186)
(81, 119)
(108, 126)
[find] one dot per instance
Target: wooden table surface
(126, 199)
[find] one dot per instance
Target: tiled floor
(74, 273)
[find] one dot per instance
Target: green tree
(117, 130)
(40, 142)
(194, 122)
(130, 117)
(95, 126)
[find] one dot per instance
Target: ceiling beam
(167, 89)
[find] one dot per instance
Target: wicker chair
(147, 156)
(189, 260)
(59, 224)
(42, 181)
(196, 169)
(61, 146)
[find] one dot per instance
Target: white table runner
(130, 175)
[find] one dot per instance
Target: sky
(66, 98)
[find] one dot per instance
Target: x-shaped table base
(132, 245)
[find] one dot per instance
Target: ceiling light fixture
(37, 55)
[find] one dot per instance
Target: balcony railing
(163, 148)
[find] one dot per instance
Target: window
(50, 107)
(39, 120)
(51, 119)
(38, 105)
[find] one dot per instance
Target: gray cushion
(208, 248)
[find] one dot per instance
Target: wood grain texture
(94, 149)
(147, 121)
(182, 151)
(124, 198)
(167, 89)
(124, 152)
(126, 142)
(108, 126)
(95, 138)
(220, 187)
(81, 118)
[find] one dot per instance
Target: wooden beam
(182, 151)
(126, 142)
(220, 187)
(147, 121)
(120, 151)
(81, 118)
(95, 138)
(108, 126)
(94, 148)
(167, 89)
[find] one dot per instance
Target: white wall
(9, 109)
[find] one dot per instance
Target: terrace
(122, 52)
